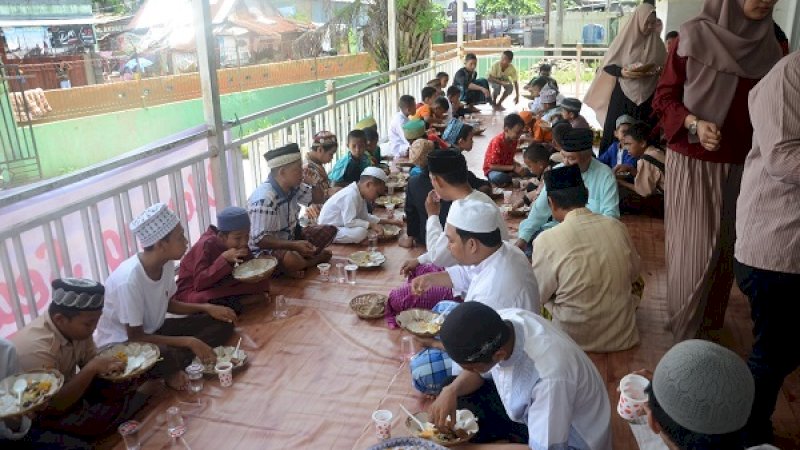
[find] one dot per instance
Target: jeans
(499, 178)
(774, 313)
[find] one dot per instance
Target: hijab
(630, 46)
(721, 44)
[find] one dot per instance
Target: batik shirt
(274, 212)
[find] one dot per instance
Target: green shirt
(508, 75)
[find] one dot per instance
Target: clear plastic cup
(324, 271)
(407, 348)
(350, 271)
(195, 374)
(507, 197)
(130, 434)
(390, 210)
(225, 373)
(281, 310)
(372, 239)
(632, 397)
(176, 427)
(340, 277)
(383, 424)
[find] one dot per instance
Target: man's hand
(408, 267)
(312, 212)
(442, 408)
(221, 313)
(521, 244)
(202, 351)
(709, 135)
(235, 255)
(432, 204)
(421, 284)
(305, 248)
(376, 227)
(106, 364)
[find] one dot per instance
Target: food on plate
(36, 390)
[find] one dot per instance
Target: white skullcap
(473, 215)
(375, 172)
(155, 223)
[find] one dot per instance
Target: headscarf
(630, 46)
(722, 44)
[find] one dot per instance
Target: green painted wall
(69, 145)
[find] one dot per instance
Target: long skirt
(619, 105)
(700, 228)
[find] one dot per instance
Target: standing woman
(474, 90)
(616, 90)
(701, 100)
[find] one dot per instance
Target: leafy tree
(509, 7)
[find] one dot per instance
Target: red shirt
(500, 152)
(205, 275)
(737, 131)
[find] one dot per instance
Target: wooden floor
(384, 382)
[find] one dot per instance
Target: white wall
(786, 15)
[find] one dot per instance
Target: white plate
(224, 354)
(367, 259)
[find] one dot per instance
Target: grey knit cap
(78, 293)
(704, 387)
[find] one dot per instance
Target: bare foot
(177, 381)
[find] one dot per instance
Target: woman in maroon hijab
(701, 100)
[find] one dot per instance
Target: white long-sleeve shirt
(503, 280)
(398, 144)
(347, 209)
(551, 385)
(438, 252)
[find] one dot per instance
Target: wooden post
(460, 28)
(578, 69)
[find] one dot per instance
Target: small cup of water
(372, 237)
(324, 269)
(281, 307)
(351, 270)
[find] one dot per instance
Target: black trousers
(201, 326)
(774, 309)
(494, 423)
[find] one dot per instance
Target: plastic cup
(351, 270)
(340, 277)
(225, 372)
(507, 197)
(390, 188)
(383, 424)
(372, 237)
(195, 374)
(632, 397)
(281, 310)
(407, 348)
(390, 210)
(175, 424)
(130, 434)
(324, 270)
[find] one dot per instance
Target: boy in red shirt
(498, 163)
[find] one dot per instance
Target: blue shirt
(344, 172)
(603, 199)
(611, 158)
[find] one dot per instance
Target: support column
(392, 16)
(460, 28)
(209, 87)
(560, 26)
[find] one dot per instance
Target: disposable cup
(632, 397)
(383, 424)
(225, 372)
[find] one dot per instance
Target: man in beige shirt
(61, 339)
(586, 267)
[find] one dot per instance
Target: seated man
(586, 267)
(206, 272)
(498, 162)
(571, 111)
(348, 168)
(680, 409)
(485, 261)
(141, 291)
(86, 407)
(347, 209)
(576, 149)
(274, 209)
(551, 393)
(646, 193)
(323, 149)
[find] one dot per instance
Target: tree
(416, 19)
(509, 7)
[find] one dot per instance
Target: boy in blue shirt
(616, 156)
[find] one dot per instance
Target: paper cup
(225, 372)
(383, 423)
(632, 397)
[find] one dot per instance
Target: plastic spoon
(235, 355)
(19, 387)
(419, 423)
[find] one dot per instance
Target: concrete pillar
(460, 28)
(392, 12)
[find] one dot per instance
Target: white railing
(77, 225)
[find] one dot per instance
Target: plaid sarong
(320, 236)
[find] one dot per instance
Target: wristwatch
(693, 128)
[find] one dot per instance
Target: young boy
(206, 272)
(86, 407)
(498, 164)
(347, 209)
(439, 110)
(349, 167)
(274, 209)
(373, 149)
(542, 128)
(323, 149)
(571, 108)
(457, 109)
(503, 77)
(397, 140)
(537, 159)
(142, 290)
(424, 109)
(616, 155)
(646, 194)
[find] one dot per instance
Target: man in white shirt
(398, 144)
(490, 270)
(347, 209)
(450, 179)
(141, 291)
(544, 380)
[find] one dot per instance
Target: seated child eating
(537, 159)
(206, 272)
(648, 174)
(348, 168)
(616, 156)
(347, 209)
(498, 164)
(424, 109)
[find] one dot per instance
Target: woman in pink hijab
(701, 100)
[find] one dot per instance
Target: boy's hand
(376, 227)
(202, 351)
(106, 364)
(235, 255)
(312, 212)
(621, 169)
(221, 313)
